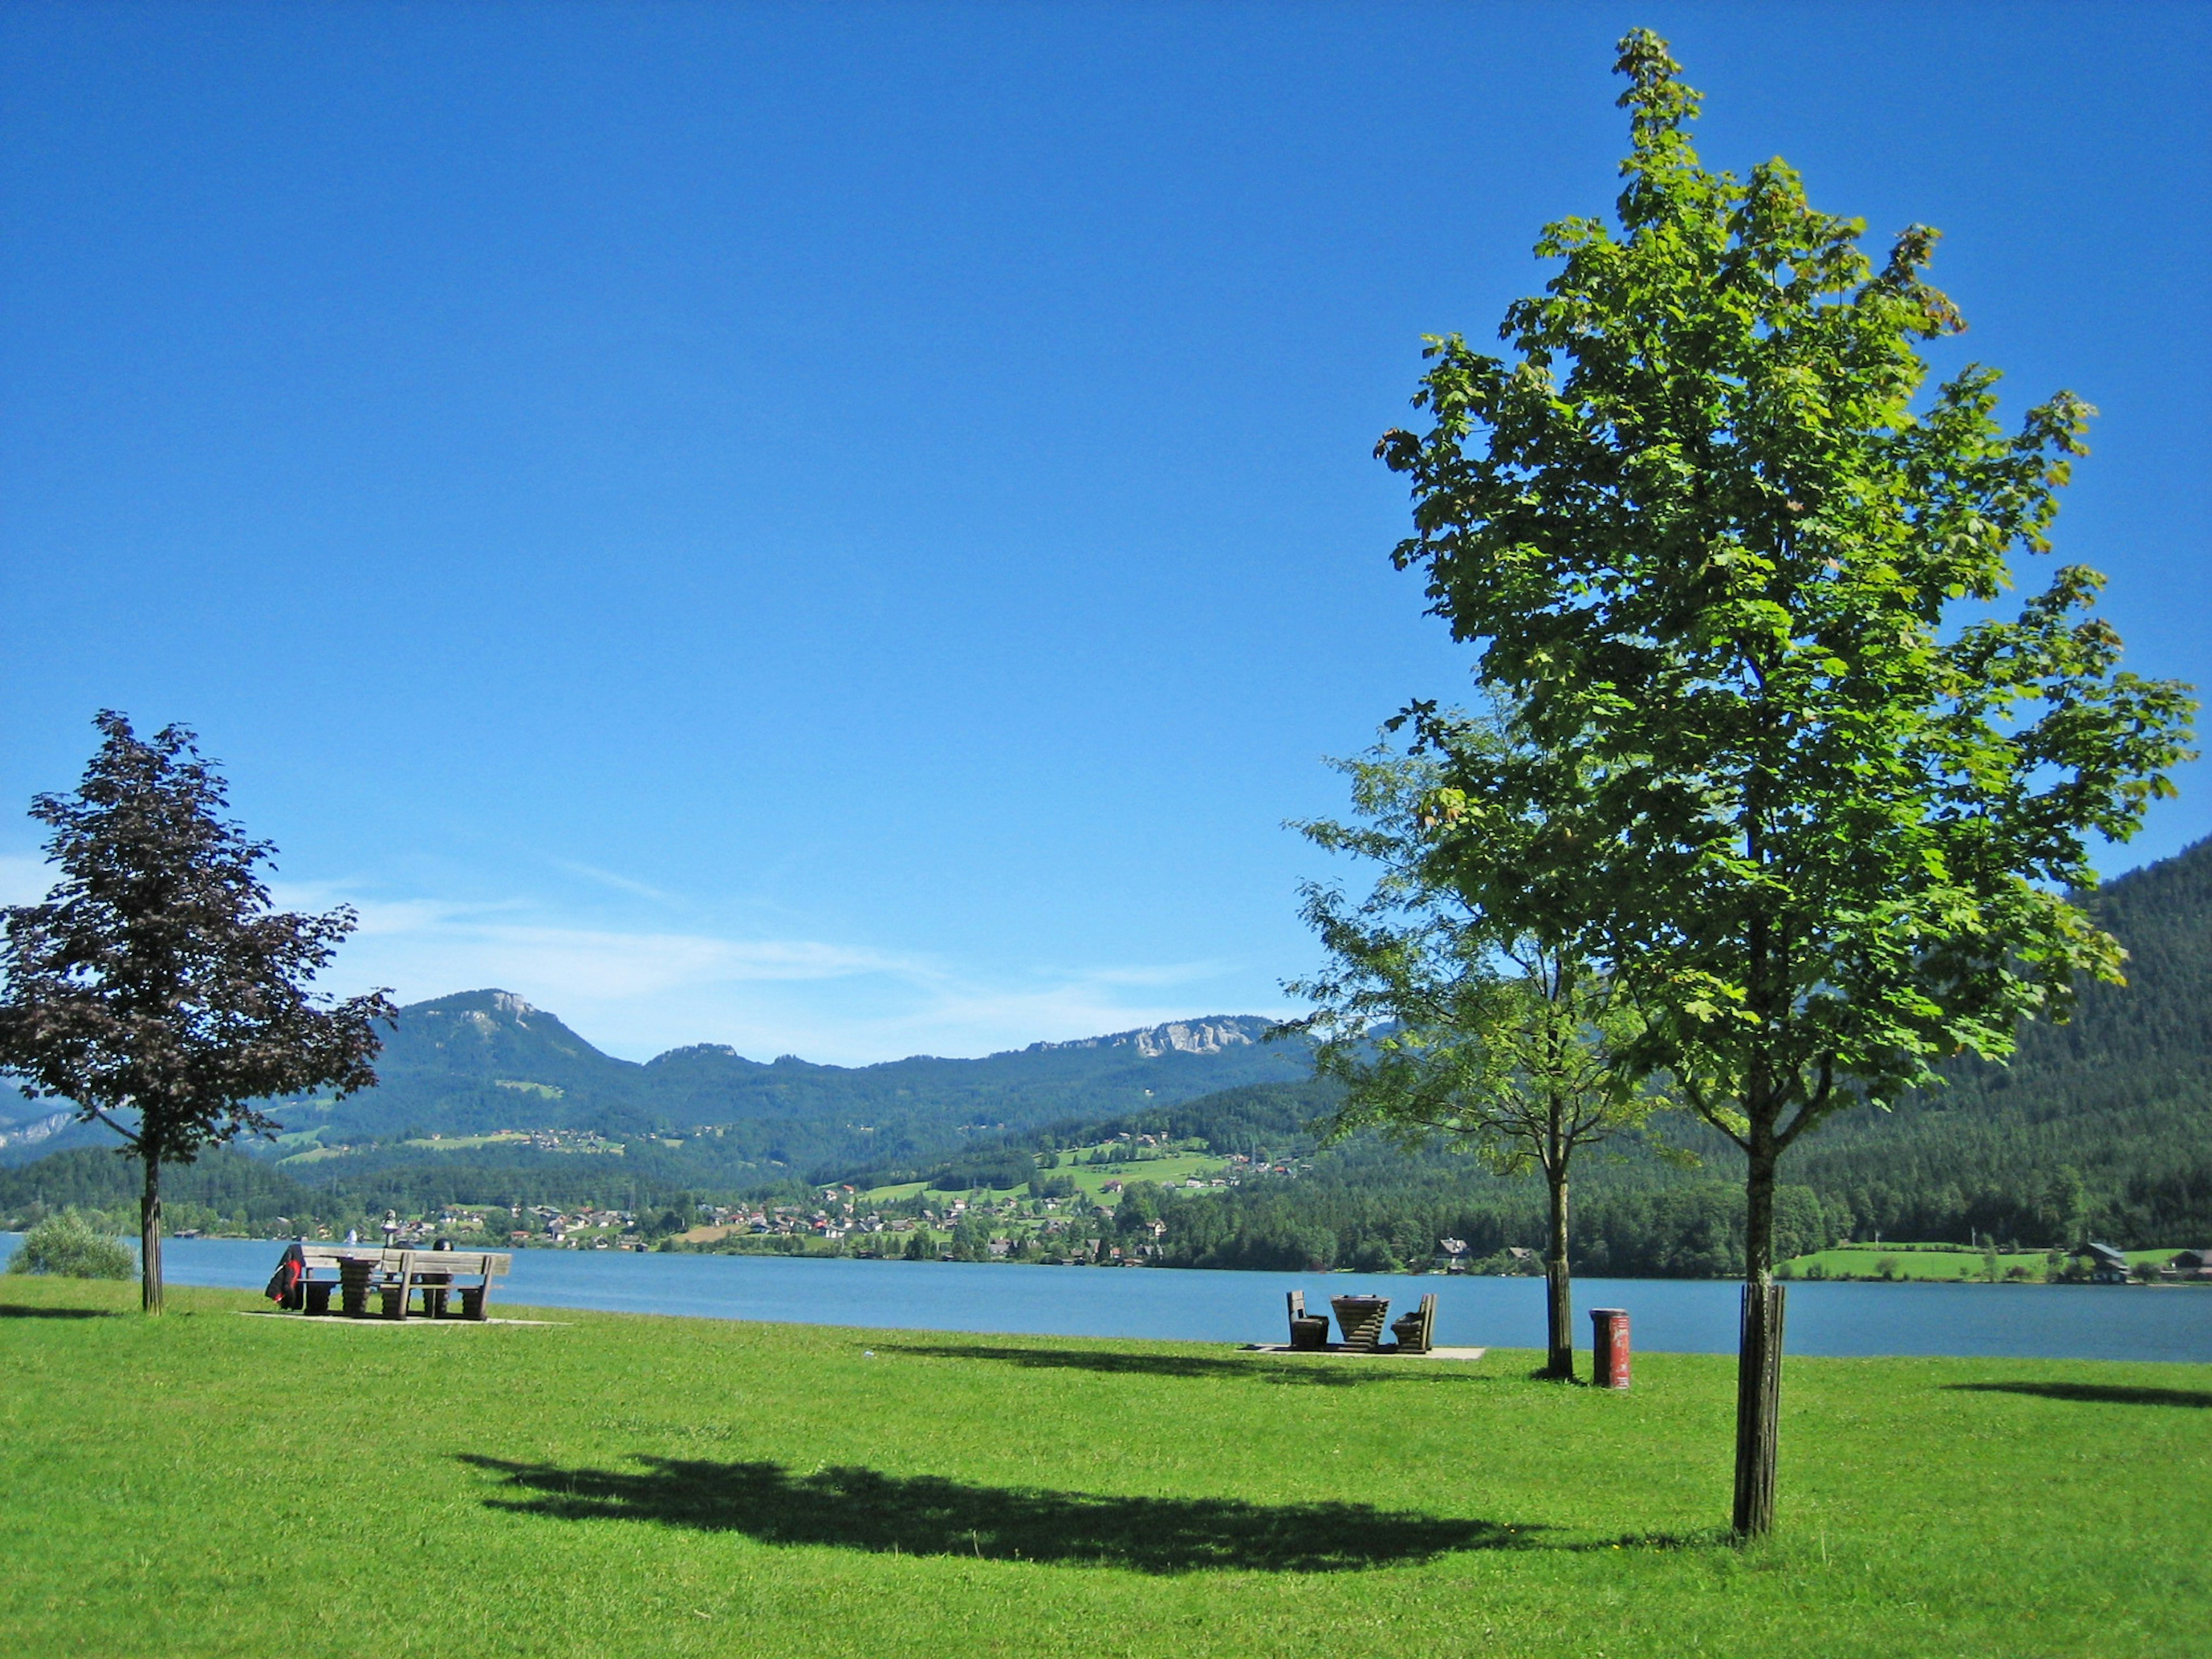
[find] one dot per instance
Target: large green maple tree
(1713, 535)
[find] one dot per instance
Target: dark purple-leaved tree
(155, 988)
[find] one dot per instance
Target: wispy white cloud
(640, 992)
(443, 944)
(614, 879)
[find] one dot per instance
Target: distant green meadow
(209, 1484)
(1946, 1262)
(1089, 1178)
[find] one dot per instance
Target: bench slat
(467, 1261)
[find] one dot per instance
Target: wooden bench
(395, 1276)
(1416, 1331)
(1307, 1330)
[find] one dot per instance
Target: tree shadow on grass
(1318, 1372)
(2103, 1393)
(924, 1515)
(16, 1311)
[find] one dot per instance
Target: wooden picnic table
(1359, 1321)
(1362, 1317)
(309, 1273)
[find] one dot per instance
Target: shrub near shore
(71, 1246)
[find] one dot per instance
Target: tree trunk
(1558, 1287)
(149, 1239)
(1759, 1357)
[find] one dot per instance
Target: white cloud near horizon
(637, 992)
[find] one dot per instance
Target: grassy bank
(210, 1483)
(1089, 1177)
(1944, 1263)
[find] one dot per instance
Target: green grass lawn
(1924, 1261)
(621, 1486)
(891, 1194)
(1856, 1261)
(1090, 1179)
(316, 1153)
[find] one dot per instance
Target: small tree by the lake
(1708, 537)
(155, 988)
(1502, 1041)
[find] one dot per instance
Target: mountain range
(486, 1075)
(2102, 1126)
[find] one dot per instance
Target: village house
(2107, 1266)
(2190, 1264)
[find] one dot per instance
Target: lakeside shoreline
(1206, 1304)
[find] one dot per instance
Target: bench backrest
(1422, 1320)
(487, 1263)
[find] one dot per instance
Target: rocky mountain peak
(1209, 1036)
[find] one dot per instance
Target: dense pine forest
(2100, 1127)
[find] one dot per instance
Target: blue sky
(846, 530)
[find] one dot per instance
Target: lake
(2057, 1321)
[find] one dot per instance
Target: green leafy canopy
(1440, 1024)
(1737, 569)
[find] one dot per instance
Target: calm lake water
(1678, 1316)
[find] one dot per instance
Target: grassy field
(893, 1194)
(1927, 1262)
(1861, 1261)
(211, 1484)
(1090, 1179)
(1176, 1167)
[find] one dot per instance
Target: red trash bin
(1609, 1346)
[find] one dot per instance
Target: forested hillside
(229, 1192)
(485, 1083)
(2100, 1127)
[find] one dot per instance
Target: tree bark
(149, 1239)
(1559, 1302)
(1758, 1356)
